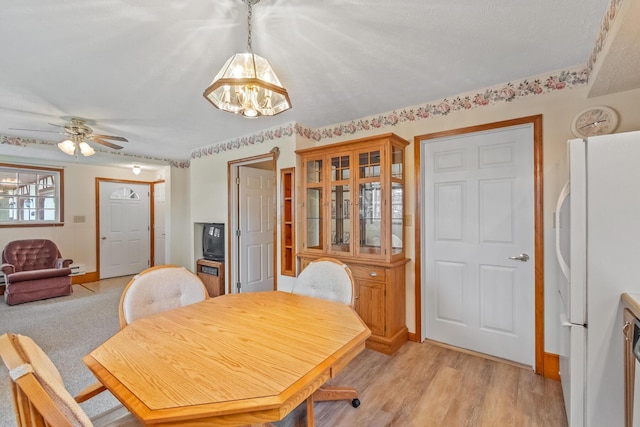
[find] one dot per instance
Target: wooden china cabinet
(353, 210)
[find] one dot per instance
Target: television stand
(212, 275)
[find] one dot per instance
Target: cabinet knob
(373, 274)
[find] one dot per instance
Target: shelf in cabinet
(287, 233)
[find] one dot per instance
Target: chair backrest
(40, 397)
(326, 278)
(159, 289)
(32, 254)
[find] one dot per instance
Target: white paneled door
(124, 228)
(478, 238)
(256, 247)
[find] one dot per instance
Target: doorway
(159, 222)
(123, 226)
(252, 218)
(466, 216)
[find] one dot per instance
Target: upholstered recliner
(34, 270)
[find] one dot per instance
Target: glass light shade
(67, 147)
(247, 85)
(86, 149)
(136, 170)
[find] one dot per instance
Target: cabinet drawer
(368, 272)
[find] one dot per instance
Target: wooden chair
(159, 289)
(329, 279)
(39, 395)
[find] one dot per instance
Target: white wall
(178, 231)
(557, 108)
(77, 240)
(209, 191)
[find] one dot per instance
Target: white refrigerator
(598, 247)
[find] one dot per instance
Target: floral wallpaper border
(505, 93)
(283, 131)
(23, 142)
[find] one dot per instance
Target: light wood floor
(425, 385)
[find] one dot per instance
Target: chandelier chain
(249, 15)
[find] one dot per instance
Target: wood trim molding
(152, 225)
(536, 121)
(85, 278)
(60, 172)
(287, 205)
(551, 366)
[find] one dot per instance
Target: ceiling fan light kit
(73, 145)
(247, 85)
(76, 132)
(67, 147)
(86, 149)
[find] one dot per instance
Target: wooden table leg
(310, 420)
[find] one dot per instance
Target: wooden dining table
(235, 359)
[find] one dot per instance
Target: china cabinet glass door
(370, 237)
(340, 204)
(397, 200)
(314, 204)
(354, 200)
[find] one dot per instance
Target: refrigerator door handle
(563, 263)
(564, 321)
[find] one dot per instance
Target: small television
(213, 242)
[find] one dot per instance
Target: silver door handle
(521, 257)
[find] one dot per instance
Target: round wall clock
(594, 121)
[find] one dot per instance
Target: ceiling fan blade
(95, 138)
(38, 130)
(117, 138)
(53, 124)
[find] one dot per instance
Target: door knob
(104, 238)
(521, 257)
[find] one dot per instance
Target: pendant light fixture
(247, 84)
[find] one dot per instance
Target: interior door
(256, 240)
(124, 228)
(479, 242)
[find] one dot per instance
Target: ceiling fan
(77, 132)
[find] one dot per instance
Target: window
(30, 196)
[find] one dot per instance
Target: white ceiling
(137, 68)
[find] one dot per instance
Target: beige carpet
(67, 328)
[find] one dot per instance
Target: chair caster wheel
(355, 403)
